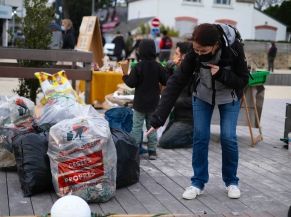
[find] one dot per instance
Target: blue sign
(155, 31)
(5, 12)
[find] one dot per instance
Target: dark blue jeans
(202, 113)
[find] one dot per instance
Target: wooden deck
(264, 171)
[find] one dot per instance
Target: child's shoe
(152, 155)
(142, 150)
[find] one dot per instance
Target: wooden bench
(10, 68)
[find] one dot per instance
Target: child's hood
(147, 49)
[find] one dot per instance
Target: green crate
(258, 77)
(133, 63)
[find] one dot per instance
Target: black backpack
(238, 39)
(224, 38)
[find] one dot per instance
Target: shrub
(37, 36)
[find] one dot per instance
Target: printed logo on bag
(77, 132)
(23, 109)
(80, 170)
(81, 176)
(95, 159)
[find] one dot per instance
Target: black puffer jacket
(235, 78)
(69, 39)
(146, 77)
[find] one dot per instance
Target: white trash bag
(61, 108)
(15, 117)
(15, 110)
(83, 158)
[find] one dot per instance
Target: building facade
(184, 15)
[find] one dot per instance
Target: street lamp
(13, 24)
(93, 8)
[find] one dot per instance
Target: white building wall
(243, 13)
(141, 9)
(263, 34)
(262, 19)
(185, 27)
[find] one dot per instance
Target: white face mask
(63, 28)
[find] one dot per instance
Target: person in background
(128, 44)
(272, 52)
(146, 77)
(166, 45)
(179, 131)
(103, 39)
(119, 43)
(157, 40)
(57, 37)
(221, 76)
(69, 40)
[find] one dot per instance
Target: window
(195, 1)
(222, 2)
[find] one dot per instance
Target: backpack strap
(237, 34)
(223, 35)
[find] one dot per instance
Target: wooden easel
(259, 137)
(90, 38)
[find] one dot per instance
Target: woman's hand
(150, 131)
(213, 68)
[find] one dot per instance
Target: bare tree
(263, 4)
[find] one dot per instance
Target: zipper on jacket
(213, 91)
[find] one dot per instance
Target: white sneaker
(233, 191)
(191, 192)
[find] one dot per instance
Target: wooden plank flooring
(264, 172)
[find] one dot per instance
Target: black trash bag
(32, 162)
(127, 158)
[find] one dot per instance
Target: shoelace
(191, 188)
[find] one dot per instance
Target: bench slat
(23, 72)
(46, 55)
(279, 79)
